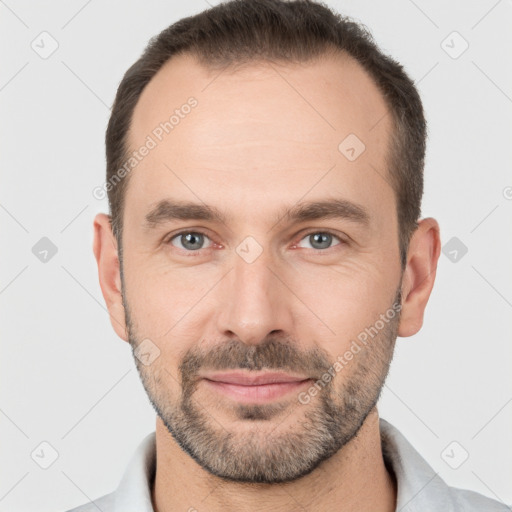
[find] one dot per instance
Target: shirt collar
(418, 486)
(134, 491)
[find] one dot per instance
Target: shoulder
(471, 501)
(104, 503)
(420, 487)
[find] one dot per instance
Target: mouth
(255, 387)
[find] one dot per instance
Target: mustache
(272, 354)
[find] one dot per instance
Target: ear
(419, 275)
(105, 252)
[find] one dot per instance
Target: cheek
(346, 298)
(165, 303)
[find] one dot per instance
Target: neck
(353, 479)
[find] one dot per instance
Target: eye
(189, 240)
(320, 240)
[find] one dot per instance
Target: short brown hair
(242, 31)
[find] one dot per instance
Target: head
(265, 175)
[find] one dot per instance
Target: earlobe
(419, 275)
(106, 254)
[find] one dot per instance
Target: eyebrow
(327, 209)
(167, 210)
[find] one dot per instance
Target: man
(263, 252)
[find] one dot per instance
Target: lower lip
(259, 393)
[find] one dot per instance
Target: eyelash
(199, 232)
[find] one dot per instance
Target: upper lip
(254, 378)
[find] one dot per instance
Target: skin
(261, 139)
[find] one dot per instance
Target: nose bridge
(255, 302)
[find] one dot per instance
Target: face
(261, 272)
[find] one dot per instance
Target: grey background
(68, 380)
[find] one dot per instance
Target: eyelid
(303, 235)
(169, 238)
(342, 239)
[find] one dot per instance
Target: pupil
(323, 239)
(192, 240)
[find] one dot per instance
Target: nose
(256, 302)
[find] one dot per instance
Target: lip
(254, 378)
(255, 387)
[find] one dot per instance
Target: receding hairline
(213, 70)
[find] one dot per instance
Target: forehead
(263, 128)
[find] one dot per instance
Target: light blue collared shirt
(420, 489)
